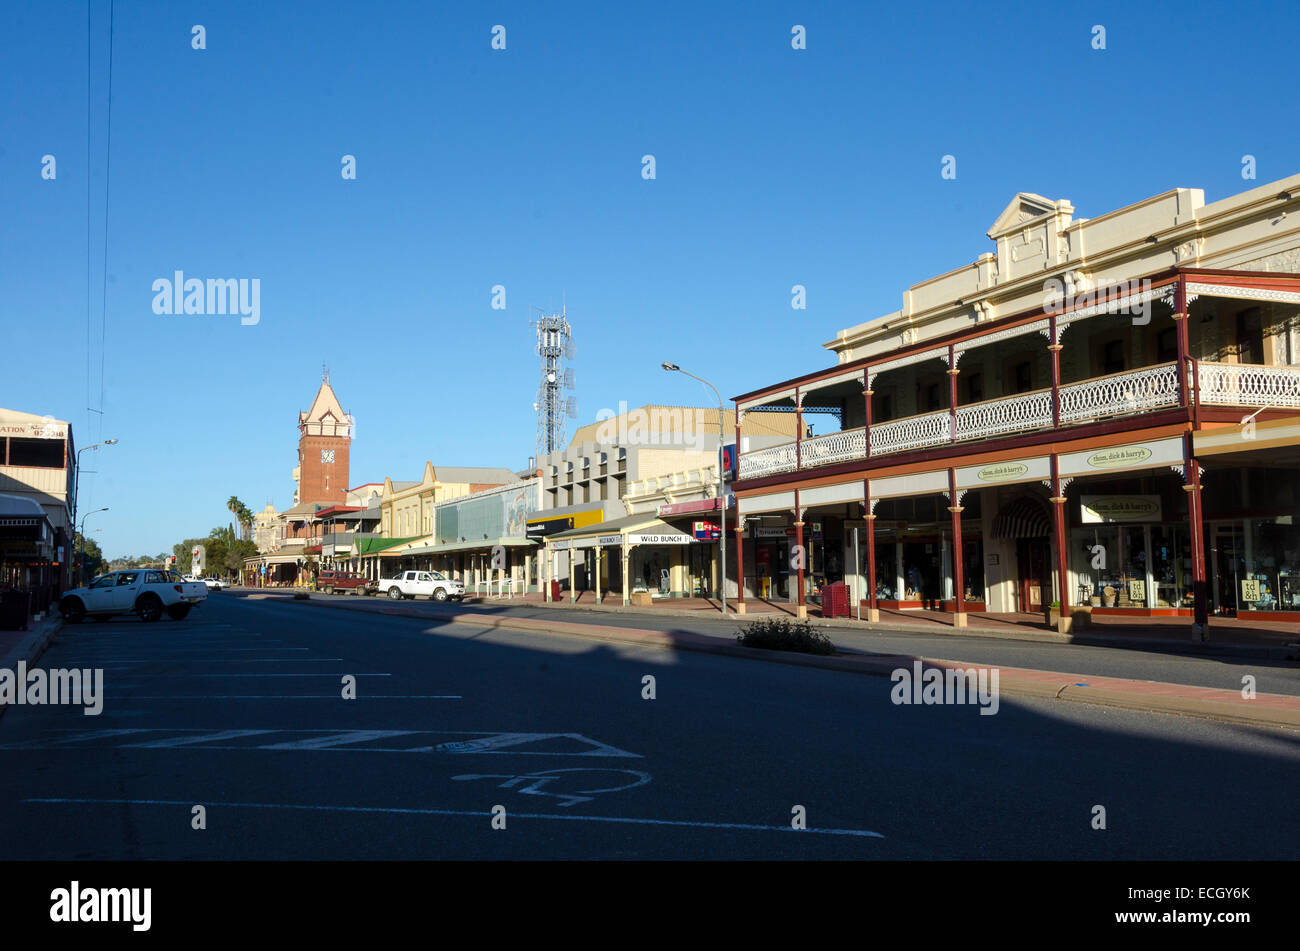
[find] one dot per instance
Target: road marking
(334, 676)
(190, 740)
(681, 823)
(492, 744)
(533, 782)
(303, 696)
(92, 734)
(338, 739)
(221, 660)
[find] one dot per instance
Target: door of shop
(1227, 560)
(1031, 561)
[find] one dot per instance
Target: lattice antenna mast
(554, 346)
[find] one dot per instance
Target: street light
(722, 488)
(82, 533)
(76, 490)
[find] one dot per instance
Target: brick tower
(325, 433)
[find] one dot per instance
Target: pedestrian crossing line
(474, 813)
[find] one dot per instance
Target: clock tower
(325, 433)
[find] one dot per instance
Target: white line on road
(189, 740)
(304, 696)
(338, 739)
(682, 823)
(335, 676)
(222, 660)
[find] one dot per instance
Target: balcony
(1118, 394)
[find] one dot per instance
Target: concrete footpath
(27, 646)
(1271, 710)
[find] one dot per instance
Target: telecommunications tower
(554, 346)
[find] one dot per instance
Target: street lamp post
(722, 487)
(76, 489)
(82, 533)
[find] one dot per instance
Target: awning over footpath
(480, 544)
(642, 529)
(372, 546)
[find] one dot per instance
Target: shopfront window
(1270, 579)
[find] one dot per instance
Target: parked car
(215, 584)
(348, 582)
(145, 592)
(430, 584)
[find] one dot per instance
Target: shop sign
(769, 531)
(1137, 591)
(1121, 458)
(705, 531)
(1250, 590)
(605, 540)
(1120, 508)
(645, 538)
(45, 429)
(1002, 472)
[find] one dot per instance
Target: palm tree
(242, 514)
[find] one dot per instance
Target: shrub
(784, 634)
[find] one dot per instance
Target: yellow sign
(1119, 458)
(1137, 590)
(1002, 472)
(1250, 590)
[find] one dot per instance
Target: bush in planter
(784, 634)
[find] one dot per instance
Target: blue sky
(522, 168)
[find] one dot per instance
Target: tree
(243, 515)
(89, 557)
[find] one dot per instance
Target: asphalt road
(1193, 665)
(238, 709)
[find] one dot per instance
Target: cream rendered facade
(1080, 345)
(408, 507)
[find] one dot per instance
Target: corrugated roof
(472, 474)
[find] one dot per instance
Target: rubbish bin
(555, 591)
(835, 600)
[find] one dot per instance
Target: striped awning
(1024, 517)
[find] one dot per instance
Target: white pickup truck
(430, 584)
(146, 592)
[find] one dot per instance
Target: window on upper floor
(37, 453)
(1022, 376)
(1167, 345)
(1112, 357)
(1250, 336)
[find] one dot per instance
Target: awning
(372, 546)
(481, 544)
(1022, 518)
(634, 529)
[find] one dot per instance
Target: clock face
(327, 455)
